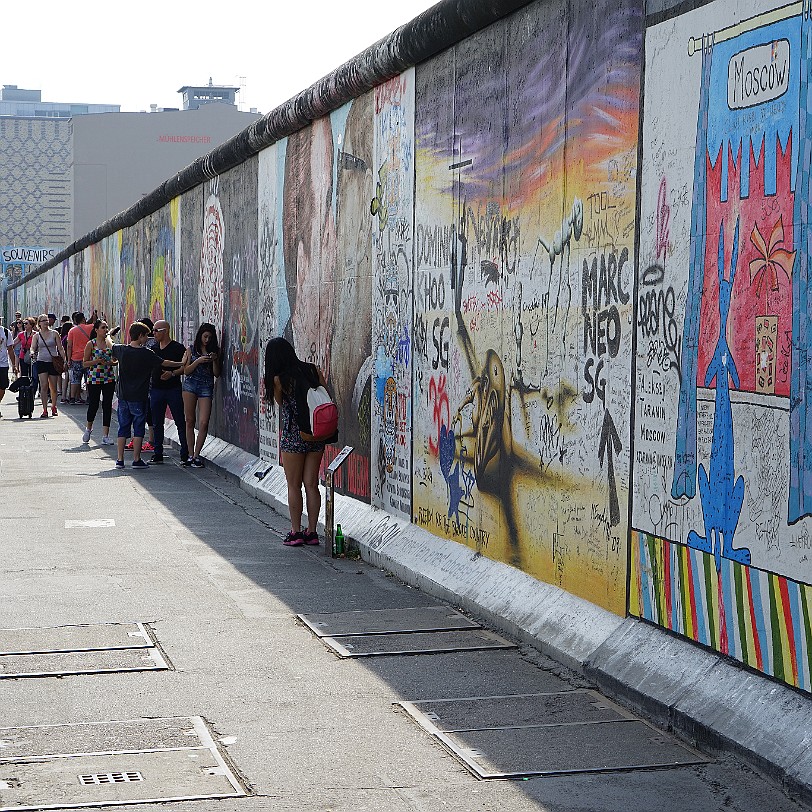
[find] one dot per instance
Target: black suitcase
(25, 403)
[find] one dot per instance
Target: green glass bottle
(338, 541)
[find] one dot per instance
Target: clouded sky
(140, 52)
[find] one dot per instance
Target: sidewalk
(197, 558)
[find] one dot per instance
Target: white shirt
(4, 344)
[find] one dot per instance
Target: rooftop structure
(17, 101)
(195, 96)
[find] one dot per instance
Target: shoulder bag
(57, 360)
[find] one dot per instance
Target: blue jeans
(132, 414)
(159, 399)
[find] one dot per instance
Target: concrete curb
(709, 700)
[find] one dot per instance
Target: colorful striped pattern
(757, 617)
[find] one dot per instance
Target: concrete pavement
(200, 560)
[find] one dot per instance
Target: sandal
(294, 539)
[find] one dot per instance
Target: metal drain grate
(110, 778)
(72, 766)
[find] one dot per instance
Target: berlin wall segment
(457, 249)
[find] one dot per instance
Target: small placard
(337, 462)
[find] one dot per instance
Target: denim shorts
(132, 413)
(202, 390)
(77, 370)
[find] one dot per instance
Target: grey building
(119, 158)
(15, 101)
(67, 168)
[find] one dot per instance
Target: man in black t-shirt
(135, 367)
(166, 391)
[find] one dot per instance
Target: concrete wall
(593, 372)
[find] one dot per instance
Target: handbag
(57, 360)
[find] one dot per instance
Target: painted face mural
(210, 284)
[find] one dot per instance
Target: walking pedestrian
(165, 391)
(6, 356)
(100, 364)
(301, 460)
(201, 368)
(22, 344)
(78, 336)
(46, 348)
(64, 381)
(136, 364)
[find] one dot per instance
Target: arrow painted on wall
(609, 445)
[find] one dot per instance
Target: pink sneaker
(294, 539)
(311, 538)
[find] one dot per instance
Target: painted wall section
(525, 216)
(393, 255)
(530, 358)
(722, 494)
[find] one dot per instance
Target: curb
(711, 701)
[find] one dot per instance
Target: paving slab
(87, 637)
(64, 663)
(516, 710)
(555, 749)
(378, 645)
(386, 621)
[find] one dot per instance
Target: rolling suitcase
(25, 399)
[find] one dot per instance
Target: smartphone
(115, 331)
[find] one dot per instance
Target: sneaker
(147, 446)
(138, 464)
(311, 538)
(54, 412)
(119, 463)
(186, 462)
(86, 436)
(107, 441)
(45, 413)
(196, 462)
(294, 539)
(129, 443)
(157, 459)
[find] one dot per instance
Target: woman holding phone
(201, 367)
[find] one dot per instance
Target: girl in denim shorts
(202, 366)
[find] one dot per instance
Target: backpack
(317, 415)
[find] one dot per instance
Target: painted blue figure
(721, 498)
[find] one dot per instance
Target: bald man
(166, 391)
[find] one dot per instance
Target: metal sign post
(329, 498)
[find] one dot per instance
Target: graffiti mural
(392, 209)
(271, 285)
(721, 497)
(326, 269)
(524, 239)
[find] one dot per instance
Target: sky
(139, 53)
